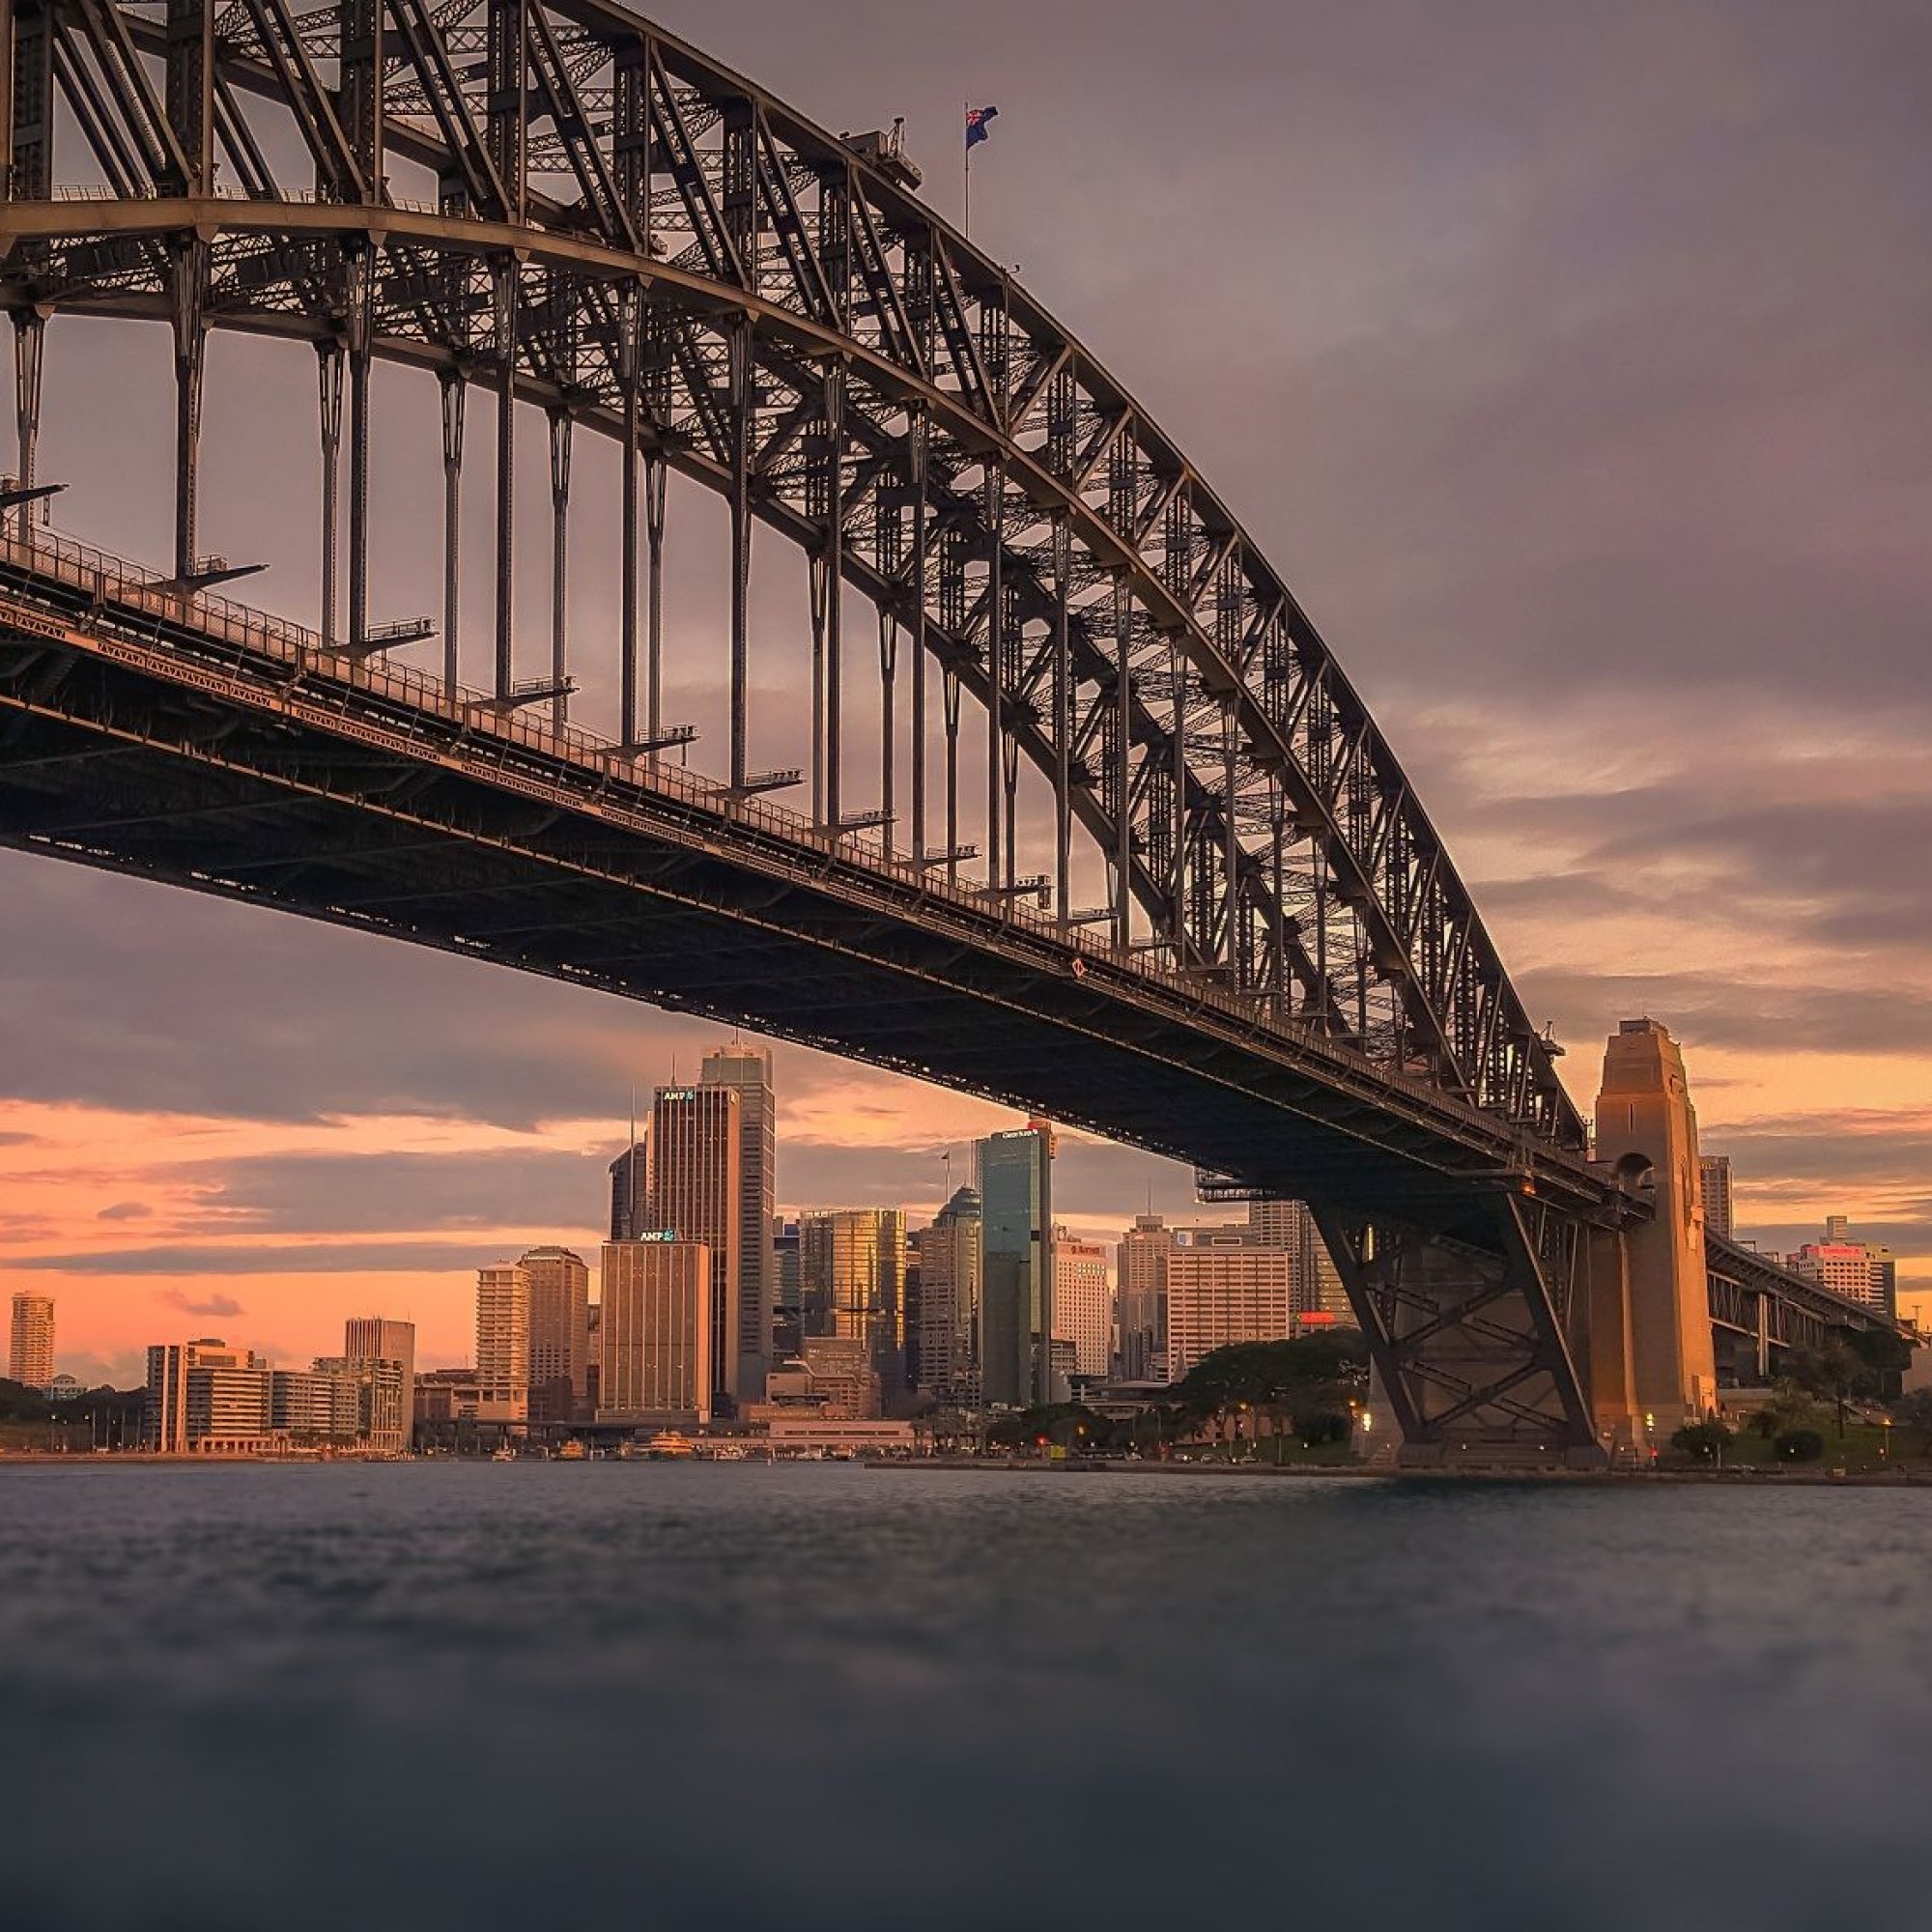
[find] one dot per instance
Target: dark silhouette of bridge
(1083, 815)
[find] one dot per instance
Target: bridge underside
(297, 787)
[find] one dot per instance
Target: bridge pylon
(1652, 1363)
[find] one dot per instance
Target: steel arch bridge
(1121, 839)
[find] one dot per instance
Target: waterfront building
(462, 1395)
(1222, 1290)
(1713, 1189)
(1016, 1180)
(593, 1363)
(834, 1378)
(30, 1353)
(948, 1301)
(1141, 1299)
(697, 1138)
(315, 1404)
(559, 1332)
(373, 1338)
(746, 1070)
(852, 1264)
(503, 1340)
(1083, 1303)
(658, 1331)
(205, 1396)
(375, 1395)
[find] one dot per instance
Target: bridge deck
(201, 742)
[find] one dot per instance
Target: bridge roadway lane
(220, 750)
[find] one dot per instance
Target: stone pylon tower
(1652, 1364)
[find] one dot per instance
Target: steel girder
(617, 228)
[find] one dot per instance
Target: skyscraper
(697, 1136)
(1289, 1225)
(1083, 1303)
(559, 1332)
(746, 1069)
(503, 1340)
(370, 1338)
(1141, 1266)
(30, 1355)
(656, 1332)
(852, 1264)
(631, 1190)
(1016, 1266)
(1714, 1185)
(948, 1301)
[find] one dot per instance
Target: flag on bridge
(978, 127)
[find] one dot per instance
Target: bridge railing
(115, 584)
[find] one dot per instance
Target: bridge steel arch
(613, 228)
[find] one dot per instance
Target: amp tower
(1651, 1369)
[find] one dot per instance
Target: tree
(1834, 1372)
(1914, 1411)
(1704, 1442)
(1798, 1445)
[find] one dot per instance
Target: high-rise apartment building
(697, 1138)
(1714, 1189)
(746, 1070)
(1083, 1303)
(1015, 1173)
(948, 1301)
(657, 1332)
(1141, 1301)
(30, 1353)
(559, 1332)
(503, 1340)
(372, 1338)
(852, 1265)
(206, 1396)
(1225, 1289)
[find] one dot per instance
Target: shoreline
(1747, 1478)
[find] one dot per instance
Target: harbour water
(829, 1696)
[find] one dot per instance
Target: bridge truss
(1086, 686)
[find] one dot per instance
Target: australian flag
(978, 125)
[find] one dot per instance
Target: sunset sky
(1570, 361)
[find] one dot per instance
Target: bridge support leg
(1468, 1319)
(1647, 1131)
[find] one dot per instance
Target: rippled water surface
(648, 1696)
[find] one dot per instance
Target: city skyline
(1622, 514)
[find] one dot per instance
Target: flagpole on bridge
(966, 119)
